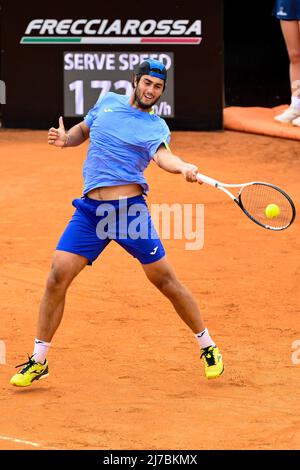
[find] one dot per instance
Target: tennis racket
(254, 198)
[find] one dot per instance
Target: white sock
(40, 350)
(295, 102)
(204, 339)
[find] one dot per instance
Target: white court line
(2, 352)
(28, 443)
(19, 441)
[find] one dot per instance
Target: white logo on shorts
(281, 12)
(154, 251)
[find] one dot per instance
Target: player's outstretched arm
(75, 136)
(166, 160)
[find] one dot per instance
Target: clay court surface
(124, 369)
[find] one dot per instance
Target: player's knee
(167, 284)
(294, 56)
(58, 279)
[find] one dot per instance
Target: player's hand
(189, 172)
(57, 137)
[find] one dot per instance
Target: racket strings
(255, 199)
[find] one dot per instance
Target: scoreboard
(90, 75)
(57, 59)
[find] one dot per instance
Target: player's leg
(147, 247)
(162, 275)
(78, 246)
(65, 267)
(291, 33)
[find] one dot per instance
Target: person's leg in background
(291, 33)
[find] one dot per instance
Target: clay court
(124, 369)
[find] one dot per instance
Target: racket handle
(207, 180)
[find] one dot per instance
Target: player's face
(148, 91)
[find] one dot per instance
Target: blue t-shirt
(123, 141)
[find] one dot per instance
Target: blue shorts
(287, 9)
(96, 223)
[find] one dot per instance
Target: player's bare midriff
(115, 192)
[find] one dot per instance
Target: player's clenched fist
(189, 171)
(58, 137)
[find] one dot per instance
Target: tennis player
(125, 136)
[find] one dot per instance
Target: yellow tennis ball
(272, 210)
